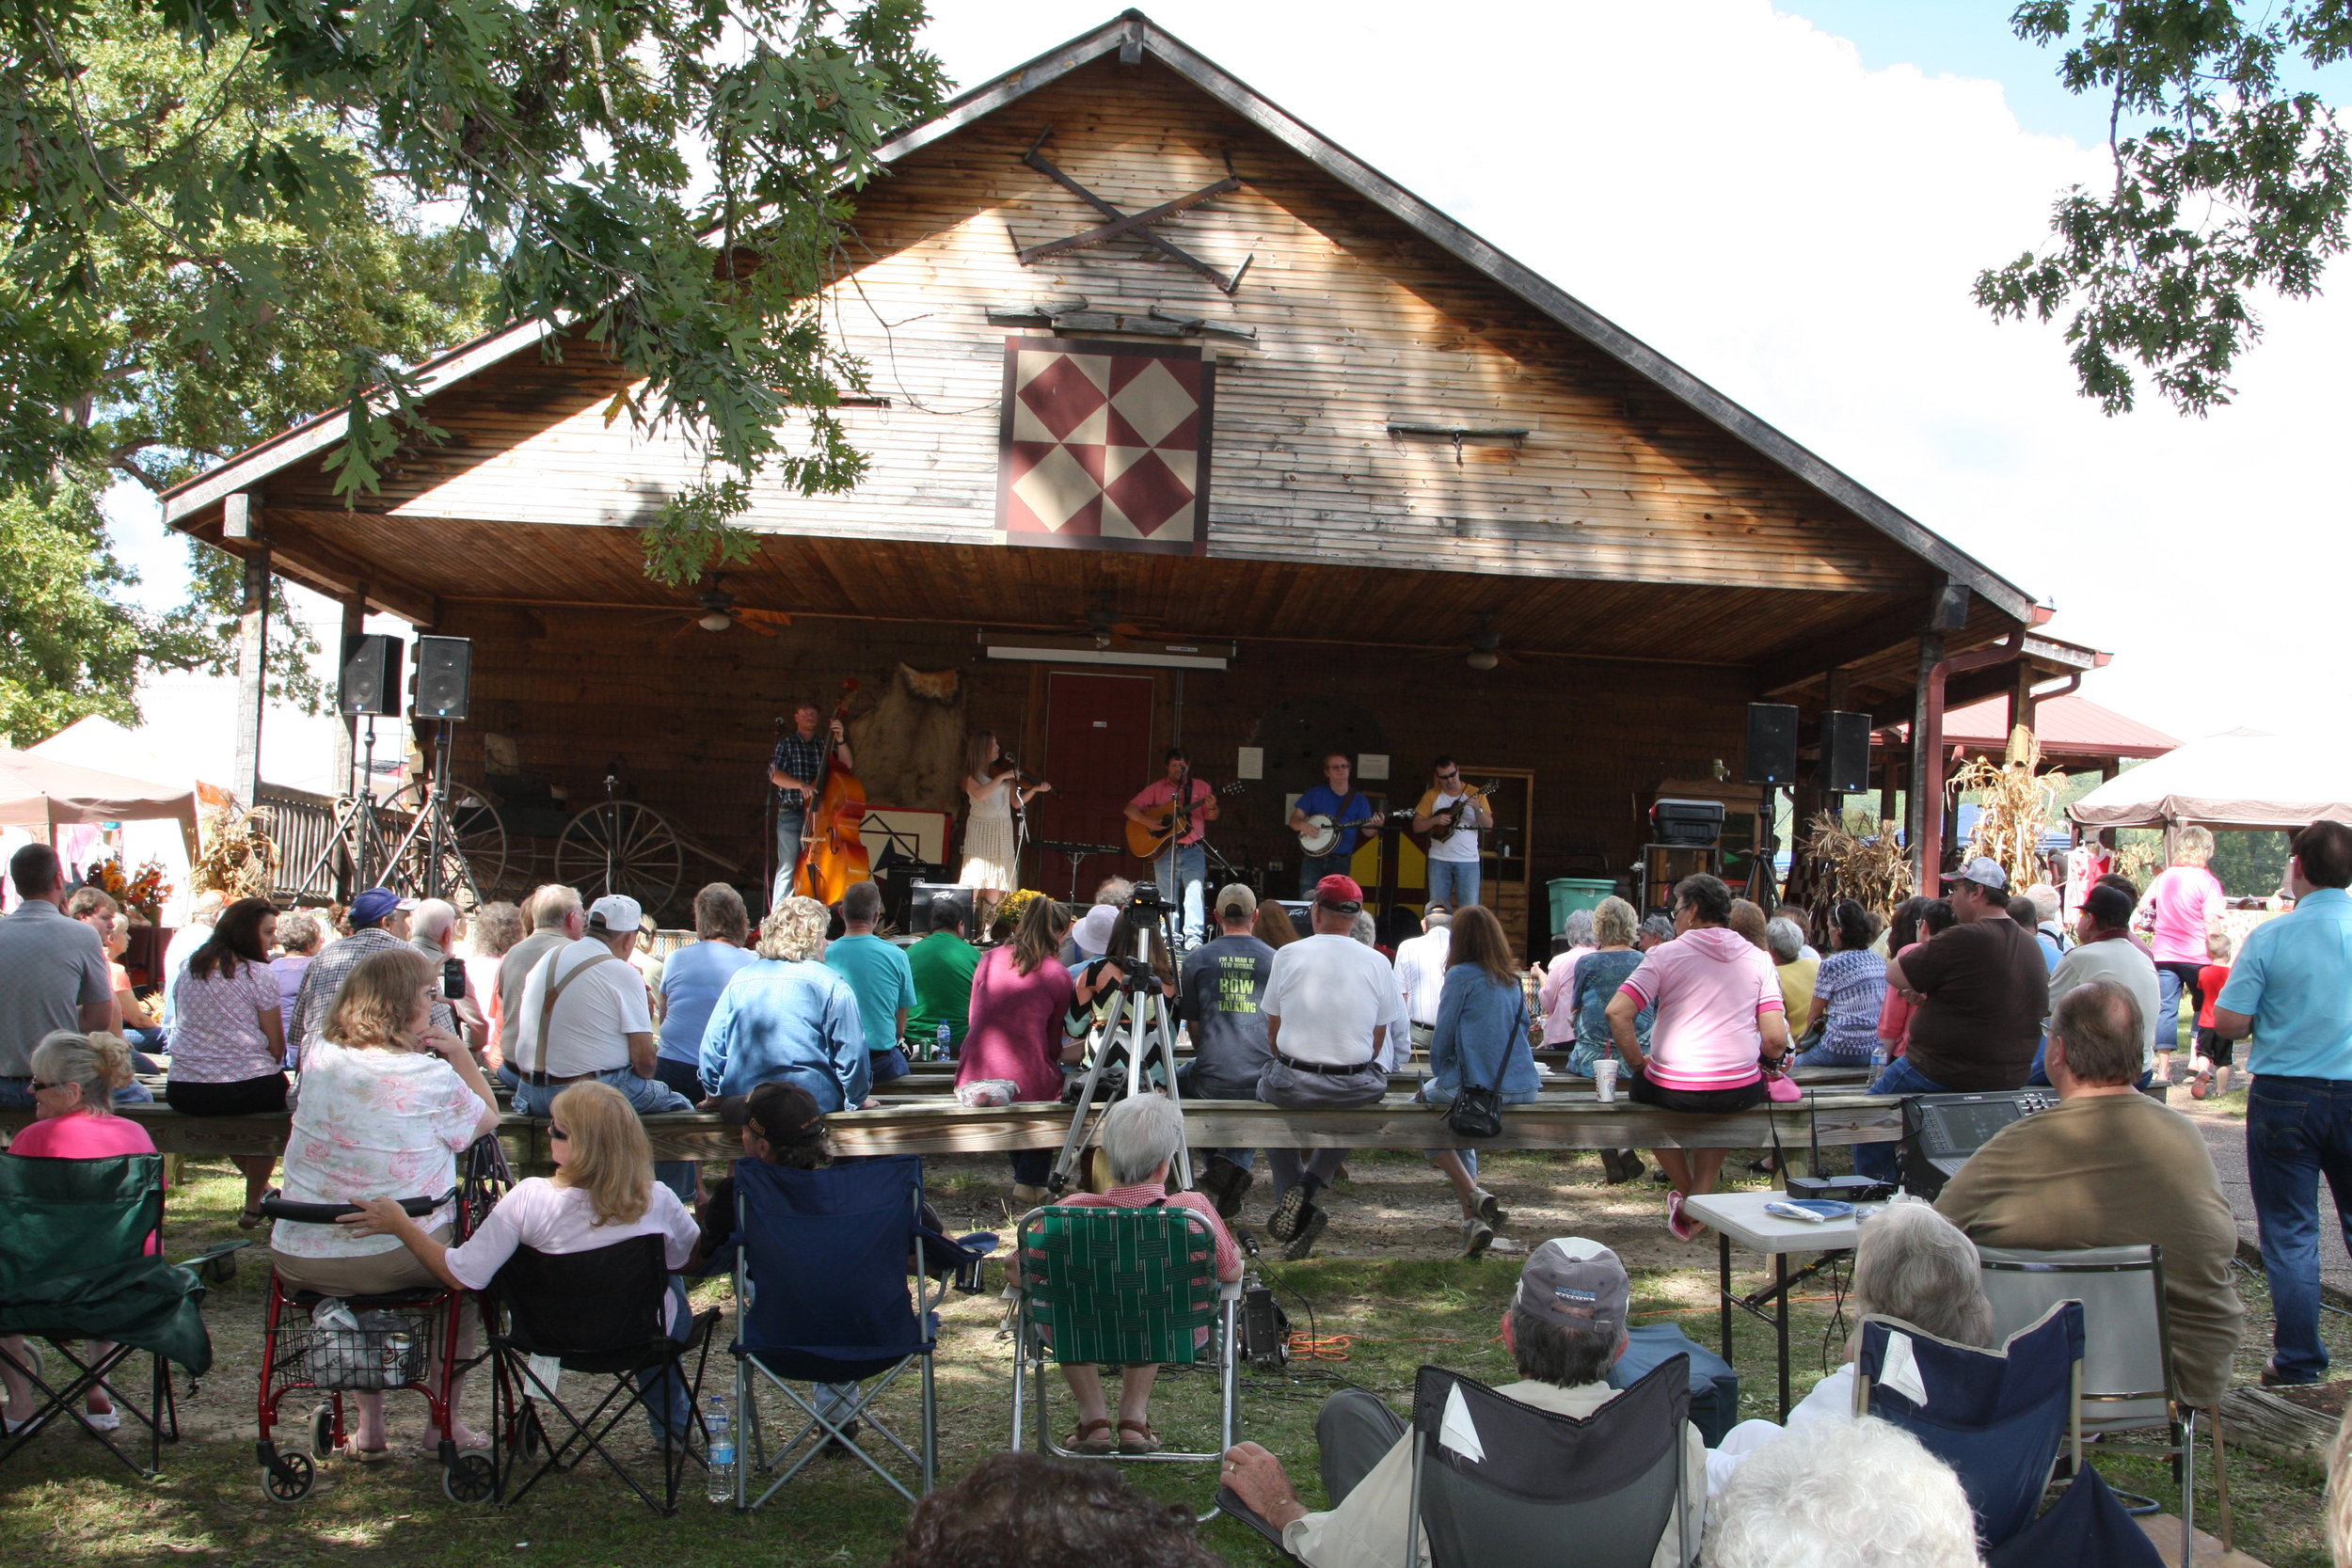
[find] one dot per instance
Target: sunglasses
(559, 1134)
(37, 1085)
(1447, 778)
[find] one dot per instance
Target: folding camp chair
(74, 1265)
(2127, 1366)
(1123, 1287)
(603, 1314)
(1996, 1416)
(821, 1283)
(1495, 1481)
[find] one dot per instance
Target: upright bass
(831, 854)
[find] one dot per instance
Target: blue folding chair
(822, 1298)
(1996, 1416)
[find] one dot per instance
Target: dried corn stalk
(2014, 807)
(1847, 859)
(239, 859)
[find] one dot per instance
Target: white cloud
(1734, 187)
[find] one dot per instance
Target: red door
(1098, 752)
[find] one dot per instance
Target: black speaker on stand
(922, 895)
(371, 677)
(1771, 743)
(1845, 752)
(444, 676)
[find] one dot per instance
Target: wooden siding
(1359, 324)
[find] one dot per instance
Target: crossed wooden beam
(1130, 225)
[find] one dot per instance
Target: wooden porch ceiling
(414, 565)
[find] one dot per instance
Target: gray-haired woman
(1142, 1135)
(1910, 1263)
(789, 1018)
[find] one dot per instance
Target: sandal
(252, 1219)
(1144, 1441)
(350, 1448)
(2200, 1085)
(1090, 1437)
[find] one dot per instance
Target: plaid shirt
(804, 757)
(324, 978)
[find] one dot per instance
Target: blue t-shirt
(2294, 978)
(879, 973)
(692, 979)
(1322, 802)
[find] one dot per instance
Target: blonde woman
(603, 1191)
(388, 1101)
(786, 1017)
(991, 853)
(2182, 908)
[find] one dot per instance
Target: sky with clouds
(1791, 201)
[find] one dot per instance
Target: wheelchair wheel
(472, 1480)
(323, 1431)
(288, 1478)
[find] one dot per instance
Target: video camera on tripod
(1138, 1036)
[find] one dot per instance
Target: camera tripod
(1139, 1031)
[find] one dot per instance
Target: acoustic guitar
(832, 856)
(1145, 843)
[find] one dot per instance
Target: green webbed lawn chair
(1122, 1287)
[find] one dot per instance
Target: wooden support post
(2021, 710)
(1923, 815)
(347, 728)
(252, 673)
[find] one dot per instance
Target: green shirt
(943, 964)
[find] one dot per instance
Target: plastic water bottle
(946, 1047)
(722, 1438)
(1877, 1058)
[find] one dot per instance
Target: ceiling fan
(719, 611)
(1105, 625)
(1483, 648)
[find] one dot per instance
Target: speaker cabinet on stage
(1845, 752)
(1771, 743)
(898, 879)
(922, 895)
(444, 676)
(371, 680)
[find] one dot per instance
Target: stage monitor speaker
(1301, 911)
(898, 879)
(1771, 743)
(370, 681)
(444, 676)
(922, 895)
(1845, 752)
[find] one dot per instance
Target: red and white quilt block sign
(1104, 446)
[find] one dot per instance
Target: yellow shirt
(1796, 993)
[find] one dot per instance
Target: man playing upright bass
(796, 768)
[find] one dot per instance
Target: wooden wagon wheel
(647, 859)
(480, 847)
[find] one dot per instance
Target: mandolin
(1442, 823)
(1146, 842)
(831, 854)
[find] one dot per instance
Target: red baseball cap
(1336, 891)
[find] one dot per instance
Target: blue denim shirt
(1481, 1034)
(787, 1021)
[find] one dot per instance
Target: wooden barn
(1184, 425)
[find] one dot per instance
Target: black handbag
(1477, 1110)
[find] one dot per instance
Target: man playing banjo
(1331, 816)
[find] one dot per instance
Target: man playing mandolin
(1186, 806)
(797, 769)
(1341, 811)
(1451, 815)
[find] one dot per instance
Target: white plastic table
(1741, 1218)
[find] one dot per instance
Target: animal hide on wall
(909, 744)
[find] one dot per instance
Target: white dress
(990, 852)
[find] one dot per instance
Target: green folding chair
(1122, 1287)
(74, 1266)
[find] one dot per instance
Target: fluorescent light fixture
(1161, 656)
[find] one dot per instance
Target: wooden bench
(927, 1124)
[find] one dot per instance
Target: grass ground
(1383, 1301)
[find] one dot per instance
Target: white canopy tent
(40, 794)
(2240, 779)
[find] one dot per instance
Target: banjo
(1322, 833)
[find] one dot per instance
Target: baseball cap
(779, 1112)
(1233, 896)
(616, 911)
(1571, 1282)
(1984, 871)
(374, 904)
(1340, 894)
(2111, 906)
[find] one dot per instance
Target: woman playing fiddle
(992, 853)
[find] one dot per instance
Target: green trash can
(1570, 894)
